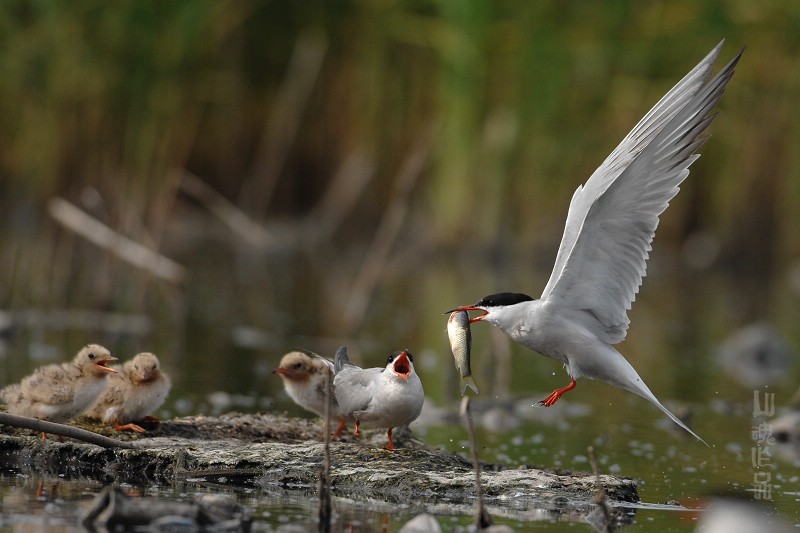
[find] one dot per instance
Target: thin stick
(600, 495)
(63, 430)
(324, 486)
(126, 249)
(388, 230)
(482, 518)
(245, 228)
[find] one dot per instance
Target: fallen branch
(62, 430)
(126, 249)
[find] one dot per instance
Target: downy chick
(59, 392)
(304, 378)
(136, 390)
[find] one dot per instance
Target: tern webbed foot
(128, 427)
(389, 446)
(556, 394)
(340, 429)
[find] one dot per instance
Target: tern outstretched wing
(612, 218)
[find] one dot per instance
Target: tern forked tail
(619, 372)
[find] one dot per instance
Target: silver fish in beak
(460, 344)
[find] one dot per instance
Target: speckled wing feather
(51, 384)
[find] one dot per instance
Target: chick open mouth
(104, 365)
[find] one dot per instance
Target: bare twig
(482, 518)
(237, 221)
(62, 430)
(606, 524)
(324, 487)
(126, 249)
(386, 234)
(340, 196)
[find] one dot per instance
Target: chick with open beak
(59, 392)
(386, 397)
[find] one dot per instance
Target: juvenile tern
(59, 392)
(304, 377)
(137, 389)
(381, 397)
(603, 254)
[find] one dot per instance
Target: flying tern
(602, 258)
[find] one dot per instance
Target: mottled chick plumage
(304, 378)
(137, 389)
(59, 392)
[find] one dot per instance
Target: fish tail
(468, 381)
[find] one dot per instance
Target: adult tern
(603, 254)
(386, 397)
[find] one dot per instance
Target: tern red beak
(402, 366)
(469, 308)
(104, 362)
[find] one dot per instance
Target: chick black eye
(410, 357)
(391, 358)
(92, 356)
(297, 366)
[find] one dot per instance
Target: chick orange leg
(151, 418)
(128, 427)
(556, 394)
(357, 432)
(339, 429)
(389, 446)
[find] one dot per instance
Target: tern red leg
(357, 432)
(556, 394)
(389, 446)
(339, 429)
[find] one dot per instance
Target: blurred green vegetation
(107, 105)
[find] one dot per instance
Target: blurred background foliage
(325, 148)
